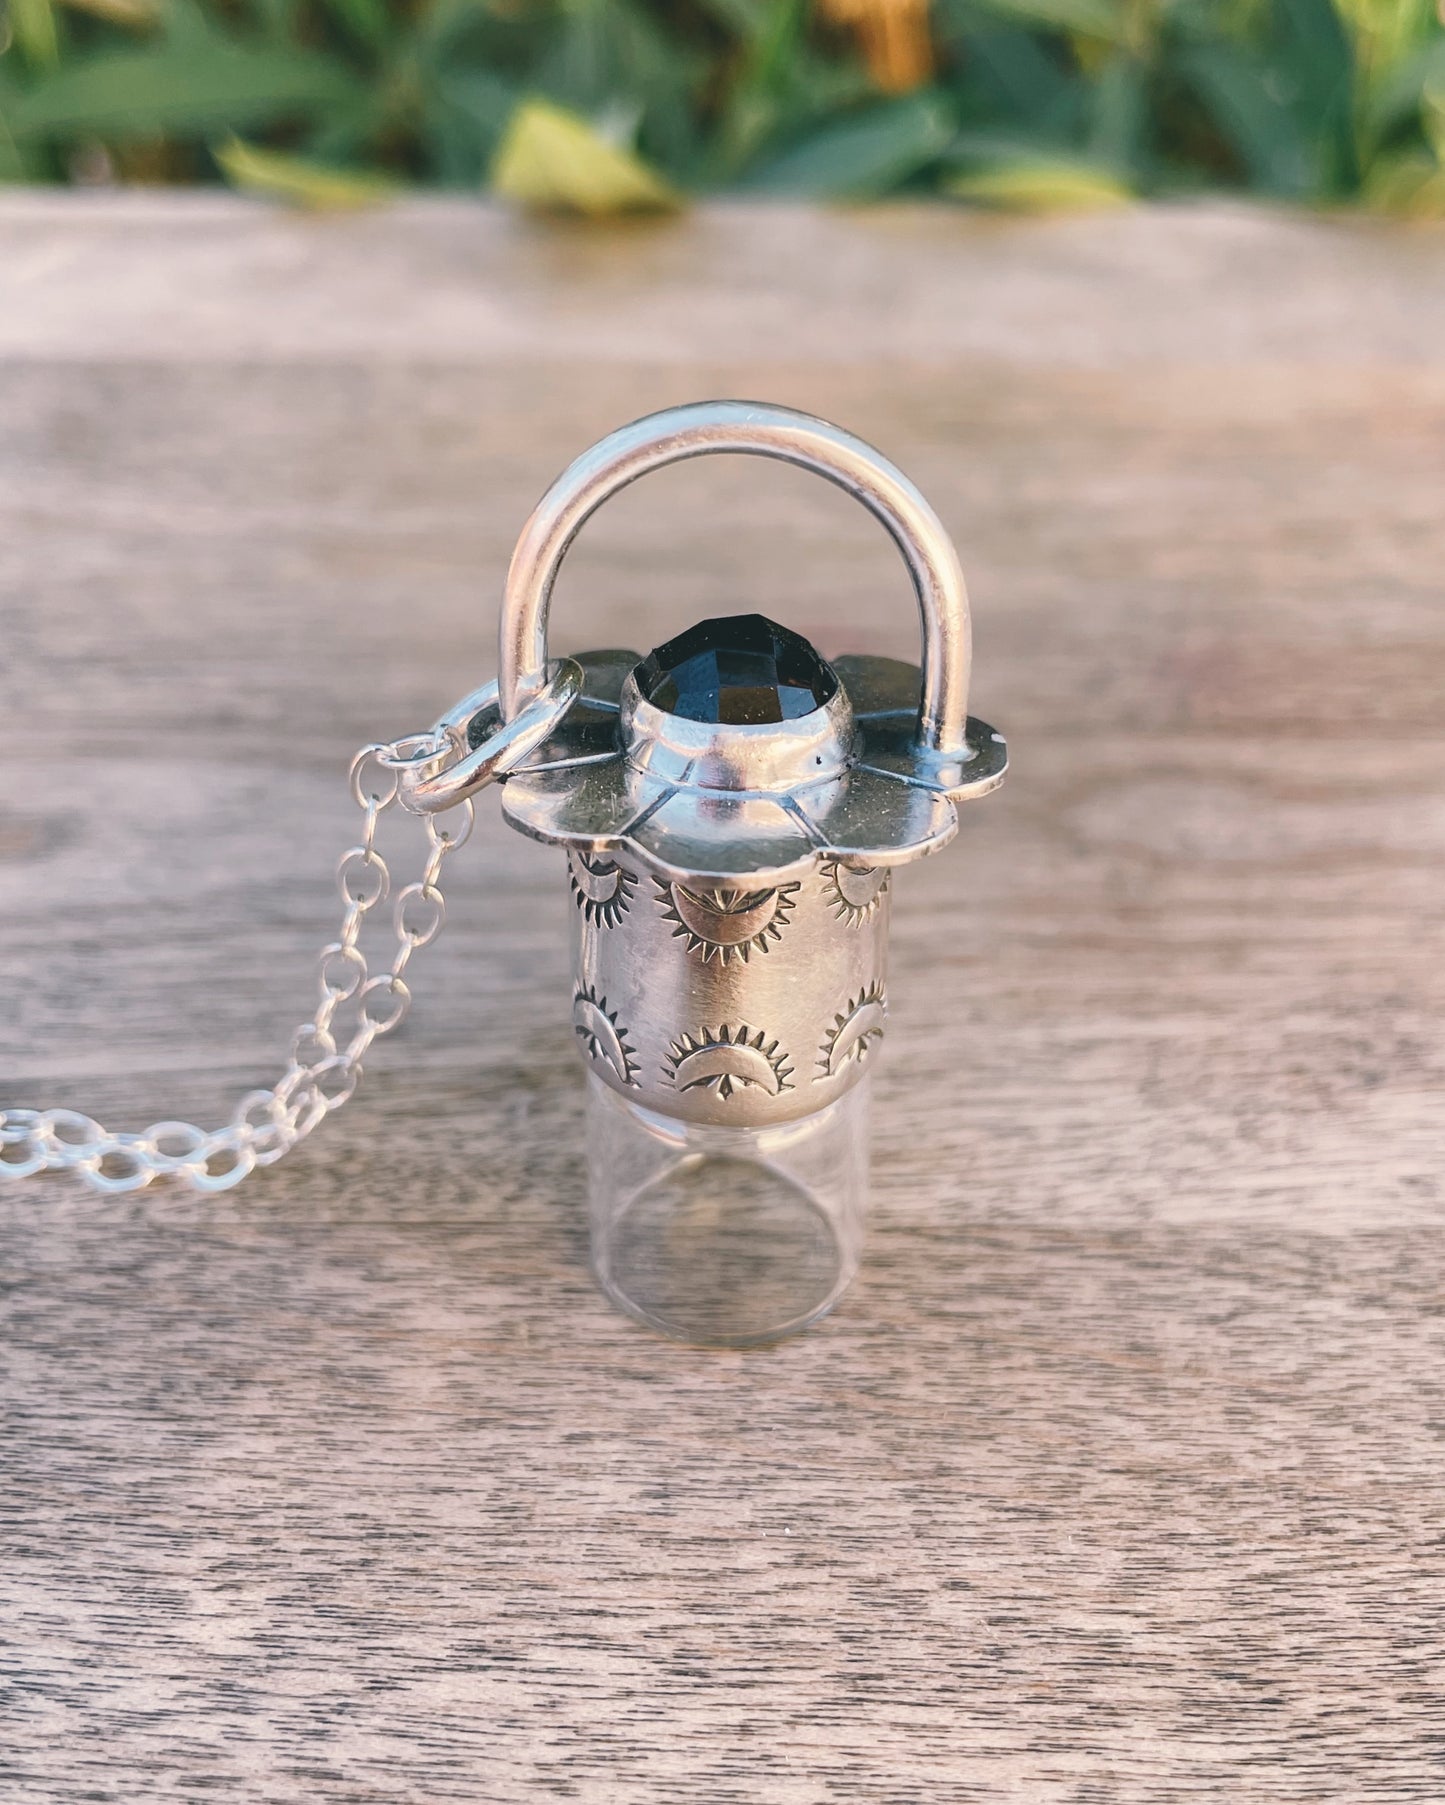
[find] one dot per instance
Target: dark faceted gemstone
(740, 671)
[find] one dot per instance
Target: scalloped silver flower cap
(763, 794)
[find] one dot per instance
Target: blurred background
(1118, 1476)
(604, 106)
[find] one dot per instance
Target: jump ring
(308, 1108)
(194, 1138)
(65, 1154)
(132, 1147)
(396, 988)
(432, 919)
(352, 959)
(363, 894)
(502, 747)
(324, 1043)
(21, 1128)
(443, 841)
(263, 1101)
(413, 750)
(350, 1073)
(267, 1139)
(198, 1173)
(18, 1125)
(361, 792)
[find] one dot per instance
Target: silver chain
(318, 1078)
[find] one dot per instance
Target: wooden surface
(1118, 1478)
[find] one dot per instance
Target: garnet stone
(740, 671)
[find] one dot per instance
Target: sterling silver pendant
(732, 808)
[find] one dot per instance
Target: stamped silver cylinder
(741, 1007)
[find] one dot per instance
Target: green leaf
(484, 100)
(1119, 113)
(1101, 19)
(13, 160)
(179, 87)
(611, 60)
(275, 18)
(779, 46)
(1397, 96)
(1315, 63)
(1411, 186)
(1040, 184)
(1316, 51)
(33, 22)
(552, 160)
(465, 116)
(866, 155)
(136, 15)
(298, 181)
(757, 98)
(1251, 107)
(1007, 77)
(745, 19)
(367, 20)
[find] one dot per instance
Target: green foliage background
(1033, 102)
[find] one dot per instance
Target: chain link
(318, 1078)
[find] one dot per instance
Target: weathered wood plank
(1118, 1476)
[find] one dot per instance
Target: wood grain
(1118, 1477)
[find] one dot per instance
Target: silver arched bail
(755, 428)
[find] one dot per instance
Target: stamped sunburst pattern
(723, 924)
(853, 1032)
(601, 887)
(603, 1040)
(854, 894)
(726, 1060)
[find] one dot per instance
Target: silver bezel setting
(686, 800)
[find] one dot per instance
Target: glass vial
(725, 1237)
